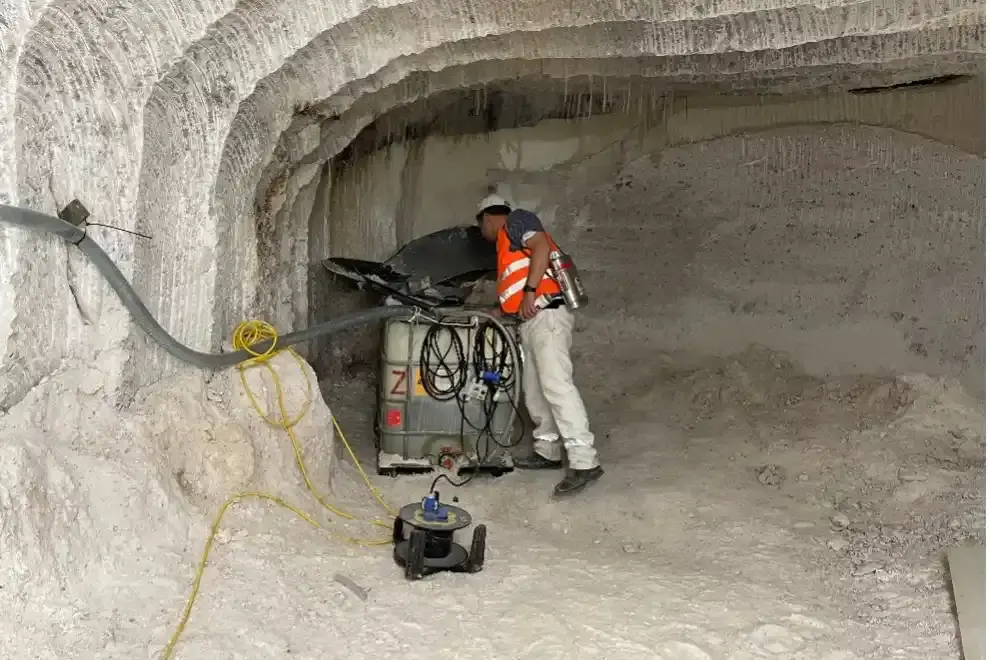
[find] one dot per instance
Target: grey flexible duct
(75, 235)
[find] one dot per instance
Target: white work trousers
(551, 397)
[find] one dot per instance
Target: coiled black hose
(448, 364)
(446, 371)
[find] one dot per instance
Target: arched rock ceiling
(586, 61)
(169, 114)
(839, 46)
(216, 83)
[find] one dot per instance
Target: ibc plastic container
(414, 429)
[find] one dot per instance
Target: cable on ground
(254, 343)
(245, 336)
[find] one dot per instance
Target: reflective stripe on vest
(513, 267)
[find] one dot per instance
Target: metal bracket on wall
(74, 213)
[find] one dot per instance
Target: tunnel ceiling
(528, 100)
(521, 77)
(227, 84)
(492, 92)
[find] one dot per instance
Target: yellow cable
(247, 335)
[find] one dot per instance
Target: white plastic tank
(414, 429)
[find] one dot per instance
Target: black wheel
(416, 559)
(476, 557)
(397, 528)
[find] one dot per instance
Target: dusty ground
(749, 511)
(752, 508)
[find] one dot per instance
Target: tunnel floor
(748, 511)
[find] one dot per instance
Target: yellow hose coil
(246, 335)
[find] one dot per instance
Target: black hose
(49, 224)
(435, 363)
(494, 352)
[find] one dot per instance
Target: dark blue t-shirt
(520, 227)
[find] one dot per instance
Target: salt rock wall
(856, 249)
(92, 494)
(432, 183)
(851, 249)
(171, 122)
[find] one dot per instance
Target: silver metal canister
(568, 279)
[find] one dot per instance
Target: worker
(527, 288)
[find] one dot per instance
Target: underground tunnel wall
(269, 264)
(846, 230)
(185, 121)
(166, 122)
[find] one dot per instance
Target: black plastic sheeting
(442, 266)
(445, 255)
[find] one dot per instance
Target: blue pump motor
(432, 511)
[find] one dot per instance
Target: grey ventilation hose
(48, 224)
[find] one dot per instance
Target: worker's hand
(527, 309)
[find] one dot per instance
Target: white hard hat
(493, 200)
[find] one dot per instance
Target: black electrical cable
(435, 362)
(455, 484)
(492, 354)
(443, 357)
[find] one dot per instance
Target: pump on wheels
(430, 546)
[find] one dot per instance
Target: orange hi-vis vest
(513, 270)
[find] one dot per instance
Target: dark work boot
(536, 462)
(575, 480)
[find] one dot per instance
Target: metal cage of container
(415, 431)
